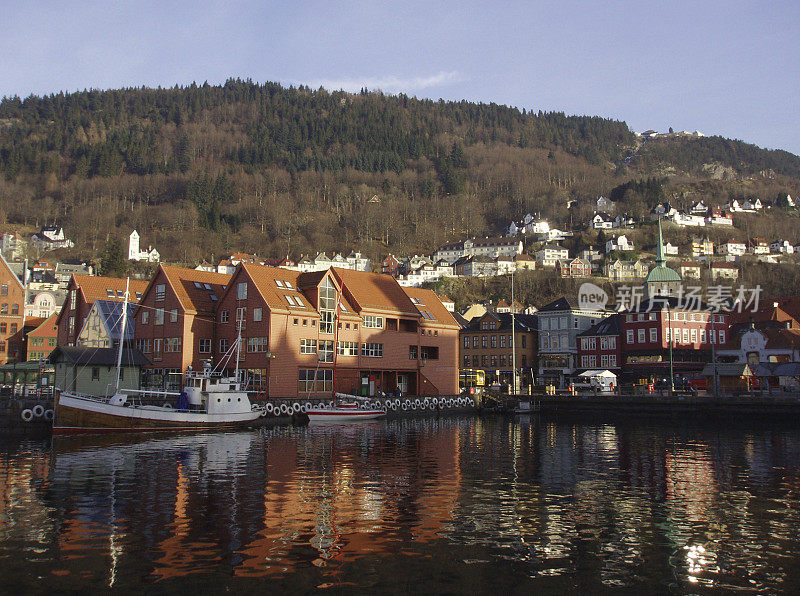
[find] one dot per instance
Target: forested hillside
(204, 170)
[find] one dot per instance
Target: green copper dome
(662, 273)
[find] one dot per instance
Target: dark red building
(600, 346)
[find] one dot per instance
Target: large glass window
(327, 306)
(326, 350)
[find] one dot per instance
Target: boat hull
(74, 416)
(343, 415)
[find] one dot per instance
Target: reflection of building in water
(22, 516)
(350, 490)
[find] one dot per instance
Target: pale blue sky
(730, 68)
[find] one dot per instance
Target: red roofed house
(41, 337)
(82, 291)
(298, 327)
(175, 322)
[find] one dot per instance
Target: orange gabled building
(175, 321)
(41, 336)
(357, 332)
(82, 291)
(12, 315)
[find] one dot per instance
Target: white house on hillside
(619, 243)
(135, 254)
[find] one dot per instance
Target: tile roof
(274, 295)
(431, 304)
(95, 287)
(193, 299)
(375, 291)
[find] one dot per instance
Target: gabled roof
(95, 287)
(429, 306)
(522, 322)
(266, 281)
(608, 326)
(375, 291)
(562, 303)
(194, 299)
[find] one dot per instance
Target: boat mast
(238, 348)
(513, 340)
(122, 332)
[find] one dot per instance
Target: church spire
(660, 247)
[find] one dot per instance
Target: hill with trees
(204, 170)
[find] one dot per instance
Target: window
(373, 322)
(721, 336)
(145, 316)
(629, 336)
(703, 338)
(612, 343)
(466, 361)
(72, 299)
(694, 336)
(4, 308)
(686, 336)
(173, 315)
(484, 341)
(592, 361)
(294, 321)
(474, 341)
(204, 346)
(412, 353)
(198, 285)
(372, 350)
(667, 336)
(15, 309)
(493, 361)
(159, 317)
(223, 316)
(308, 346)
(241, 313)
(223, 345)
(484, 360)
(584, 362)
(502, 341)
(494, 341)
(52, 342)
(95, 373)
(3, 327)
(172, 344)
(347, 348)
(307, 383)
(157, 346)
(327, 304)
(257, 344)
(160, 292)
(640, 336)
(432, 353)
(4, 290)
(603, 343)
(466, 341)
(257, 314)
(72, 324)
(241, 291)
(653, 334)
(326, 350)
(305, 380)
(604, 360)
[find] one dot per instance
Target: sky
(729, 68)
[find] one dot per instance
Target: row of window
(492, 360)
(606, 343)
(39, 341)
(4, 309)
(12, 329)
(676, 316)
(159, 344)
(555, 323)
(686, 336)
(606, 361)
(492, 340)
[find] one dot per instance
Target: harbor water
(450, 504)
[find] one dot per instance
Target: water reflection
(456, 503)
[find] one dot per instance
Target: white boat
(345, 408)
(207, 401)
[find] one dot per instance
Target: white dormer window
(279, 283)
(207, 286)
(198, 285)
(110, 293)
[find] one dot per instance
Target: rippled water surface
(451, 505)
